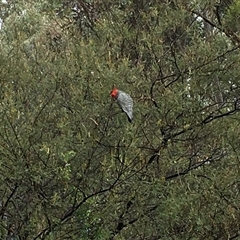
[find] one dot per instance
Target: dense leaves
(72, 167)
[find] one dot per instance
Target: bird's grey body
(126, 103)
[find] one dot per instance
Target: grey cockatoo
(124, 101)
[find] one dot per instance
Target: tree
(73, 167)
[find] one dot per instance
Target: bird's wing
(126, 103)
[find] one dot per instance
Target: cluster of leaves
(72, 167)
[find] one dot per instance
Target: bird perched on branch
(124, 101)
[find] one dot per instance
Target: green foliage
(72, 167)
(232, 18)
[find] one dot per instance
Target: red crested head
(114, 93)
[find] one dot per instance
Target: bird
(124, 101)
